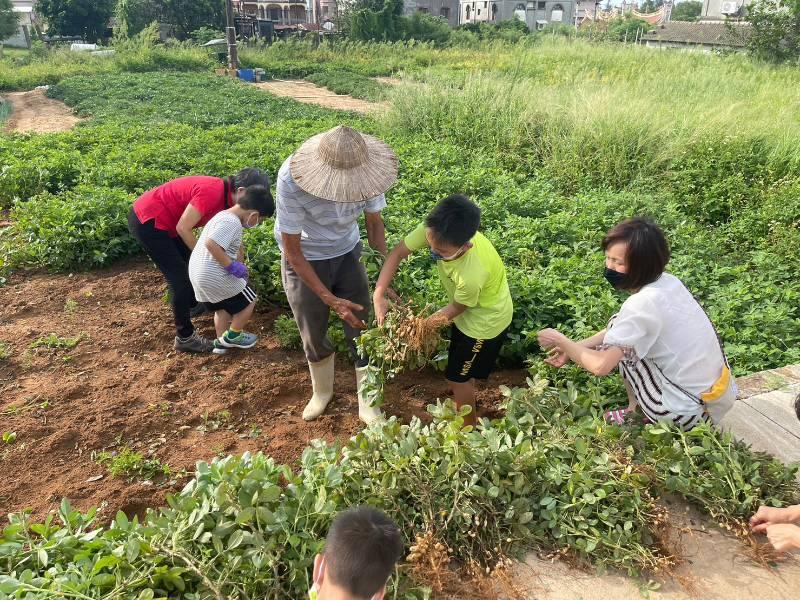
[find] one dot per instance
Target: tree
(650, 6)
(624, 29)
(688, 10)
(427, 28)
(190, 15)
(86, 18)
(775, 30)
(134, 15)
(9, 20)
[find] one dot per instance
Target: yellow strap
(720, 386)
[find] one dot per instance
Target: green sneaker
(243, 340)
(219, 348)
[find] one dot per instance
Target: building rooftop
(716, 34)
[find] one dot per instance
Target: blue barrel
(247, 75)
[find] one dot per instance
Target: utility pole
(233, 55)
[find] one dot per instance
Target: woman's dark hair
(455, 220)
(647, 252)
(361, 550)
(257, 193)
(251, 176)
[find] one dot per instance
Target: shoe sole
(194, 350)
(231, 345)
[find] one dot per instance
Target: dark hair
(647, 252)
(257, 197)
(454, 220)
(247, 177)
(361, 551)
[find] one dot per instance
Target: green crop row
(549, 475)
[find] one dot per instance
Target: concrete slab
(715, 569)
(778, 406)
(763, 433)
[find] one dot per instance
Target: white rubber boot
(368, 414)
(322, 384)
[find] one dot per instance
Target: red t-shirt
(167, 202)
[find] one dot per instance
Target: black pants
(171, 256)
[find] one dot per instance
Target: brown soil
(305, 91)
(123, 384)
(34, 112)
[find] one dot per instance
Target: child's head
(451, 225)
(252, 193)
(361, 550)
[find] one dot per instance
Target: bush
(80, 229)
(285, 328)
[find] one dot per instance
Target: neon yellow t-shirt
(477, 279)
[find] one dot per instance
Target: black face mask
(615, 278)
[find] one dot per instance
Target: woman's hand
(550, 338)
(784, 537)
(768, 515)
(557, 358)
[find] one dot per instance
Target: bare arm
(376, 232)
(297, 260)
(185, 227)
(597, 362)
(390, 266)
(218, 252)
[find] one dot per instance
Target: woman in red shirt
(163, 220)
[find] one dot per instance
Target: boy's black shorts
(235, 304)
(471, 358)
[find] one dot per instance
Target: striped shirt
(211, 282)
(327, 229)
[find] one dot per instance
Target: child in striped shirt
(219, 276)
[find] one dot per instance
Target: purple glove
(237, 269)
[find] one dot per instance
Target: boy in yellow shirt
(474, 278)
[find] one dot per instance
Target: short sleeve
(207, 199)
(467, 289)
(376, 205)
(289, 212)
(636, 327)
(416, 239)
(224, 231)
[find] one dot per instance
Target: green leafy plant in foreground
(285, 328)
(549, 475)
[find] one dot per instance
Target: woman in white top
(665, 346)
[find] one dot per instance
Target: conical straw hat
(343, 165)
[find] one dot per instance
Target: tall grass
(611, 116)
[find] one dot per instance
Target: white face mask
(247, 224)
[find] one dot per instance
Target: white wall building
(536, 14)
(25, 33)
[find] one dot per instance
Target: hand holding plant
(550, 338)
(784, 537)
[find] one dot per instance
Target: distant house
(698, 36)
(25, 9)
(723, 9)
(446, 9)
(536, 14)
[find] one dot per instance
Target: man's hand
(550, 338)
(784, 537)
(344, 308)
(557, 358)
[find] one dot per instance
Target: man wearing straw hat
(322, 190)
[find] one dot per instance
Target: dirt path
(122, 384)
(305, 91)
(34, 112)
